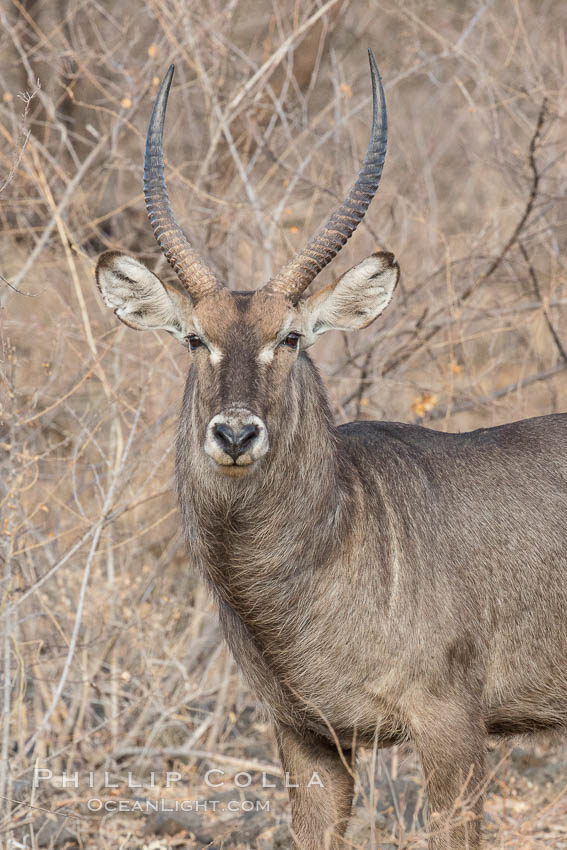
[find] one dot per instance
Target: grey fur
(377, 582)
(381, 579)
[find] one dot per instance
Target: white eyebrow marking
(266, 355)
(215, 353)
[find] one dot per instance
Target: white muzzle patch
(236, 437)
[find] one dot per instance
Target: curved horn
(319, 251)
(195, 276)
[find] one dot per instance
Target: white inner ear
(354, 301)
(138, 297)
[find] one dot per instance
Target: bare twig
(550, 325)
(489, 399)
(23, 134)
(405, 353)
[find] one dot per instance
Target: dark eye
(292, 340)
(194, 342)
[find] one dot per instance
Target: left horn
(296, 276)
(195, 276)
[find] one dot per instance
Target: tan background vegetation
(111, 654)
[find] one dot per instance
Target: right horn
(195, 276)
(296, 276)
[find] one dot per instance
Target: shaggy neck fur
(261, 540)
(274, 519)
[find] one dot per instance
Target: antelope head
(247, 347)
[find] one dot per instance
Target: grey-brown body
(377, 582)
(382, 581)
(405, 563)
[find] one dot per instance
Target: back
(477, 528)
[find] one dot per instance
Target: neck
(262, 541)
(285, 518)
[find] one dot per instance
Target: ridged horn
(298, 273)
(195, 276)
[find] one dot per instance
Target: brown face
(244, 346)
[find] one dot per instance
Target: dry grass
(111, 653)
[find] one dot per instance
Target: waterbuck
(377, 582)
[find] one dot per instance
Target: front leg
(451, 743)
(320, 806)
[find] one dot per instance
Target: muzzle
(236, 437)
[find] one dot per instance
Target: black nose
(234, 446)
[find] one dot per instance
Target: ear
(354, 300)
(138, 297)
